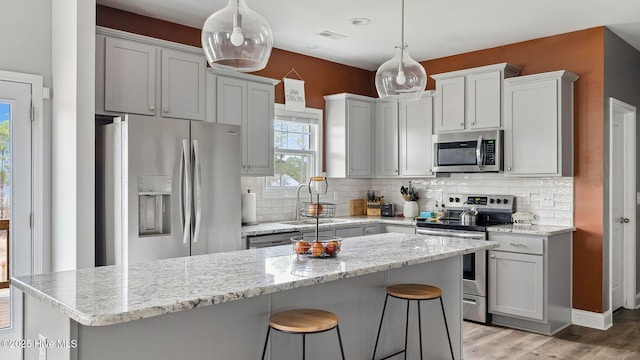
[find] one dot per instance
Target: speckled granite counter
(544, 230)
(286, 226)
(115, 294)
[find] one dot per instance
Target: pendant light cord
(401, 63)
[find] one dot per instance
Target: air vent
(332, 35)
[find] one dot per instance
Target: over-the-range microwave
(470, 151)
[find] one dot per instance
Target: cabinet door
(450, 104)
(405, 229)
(516, 284)
(531, 128)
(349, 232)
(416, 128)
(259, 129)
(182, 85)
(371, 229)
(387, 139)
(359, 138)
(130, 77)
(484, 100)
(231, 101)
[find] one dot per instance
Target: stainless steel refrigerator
(166, 188)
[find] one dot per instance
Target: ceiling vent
(332, 35)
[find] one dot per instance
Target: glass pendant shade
(237, 38)
(401, 78)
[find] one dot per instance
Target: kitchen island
(160, 309)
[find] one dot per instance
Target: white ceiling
(433, 28)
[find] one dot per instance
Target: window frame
(308, 115)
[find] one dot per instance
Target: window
(297, 139)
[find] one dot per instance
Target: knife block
(374, 208)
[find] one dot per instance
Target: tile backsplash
(530, 194)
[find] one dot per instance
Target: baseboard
(591, 319)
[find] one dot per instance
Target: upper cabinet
(140, 75)
(246, 100)
(404, 137)
(349, 135)
(538, 128)
(471, 99)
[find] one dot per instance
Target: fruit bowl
(322, 247)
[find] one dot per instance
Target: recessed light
(331, 35)
(360, 21)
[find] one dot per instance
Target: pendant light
(237, 38)
(401, 78)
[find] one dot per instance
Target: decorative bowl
(321, 247)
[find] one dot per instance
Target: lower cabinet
(345, 232)
(530, 281)
(405, 229)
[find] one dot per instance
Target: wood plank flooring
(621, 341)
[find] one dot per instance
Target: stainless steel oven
(492, 210)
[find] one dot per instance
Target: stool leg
(446, 327)
(340, 341)
(420, 329)
(380, 327)
(304, 352)
(266, 341)
(406, 331)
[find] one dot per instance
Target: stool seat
(303, 320)
(414, 291)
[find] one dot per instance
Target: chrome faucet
(298, 199)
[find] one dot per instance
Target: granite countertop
(525, 229)
(115, 294)
(325, 223)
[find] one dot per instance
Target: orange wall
(579, 52)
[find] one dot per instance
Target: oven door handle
(478, 236)
(479, 153)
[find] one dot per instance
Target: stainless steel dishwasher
(260, 241)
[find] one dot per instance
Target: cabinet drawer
(518, 243)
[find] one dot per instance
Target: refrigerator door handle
(196, 191)
(185, 191)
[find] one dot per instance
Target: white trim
(148, 40)
(637, 302)
(591, 319)
(629, 206)
(37, 163)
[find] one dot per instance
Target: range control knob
(450, 199)
(505, 201)
(498, 201)
(457, 199)
(491, 201)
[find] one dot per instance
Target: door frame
(38, 94)
(629, 206)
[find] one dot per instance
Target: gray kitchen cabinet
(371, 229)
(140, 75)
(349, 135)
(387, 133)
(404, 137)
(182, 85)
(245, 100)
(349, 232)
(470, 99)
(325, 233)
(538, 126)
(530, 281)
(405, 229)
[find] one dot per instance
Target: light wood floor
(621, 341)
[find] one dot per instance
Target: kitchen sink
(313, 221)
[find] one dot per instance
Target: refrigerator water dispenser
(154, 204)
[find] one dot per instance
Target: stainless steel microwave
(470, 151)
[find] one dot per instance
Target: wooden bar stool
(409, 292)
(303, 321)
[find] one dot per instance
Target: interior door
(617, 211)
(15, 192)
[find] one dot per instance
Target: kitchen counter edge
(525, 229)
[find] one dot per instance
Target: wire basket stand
(318, 186)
